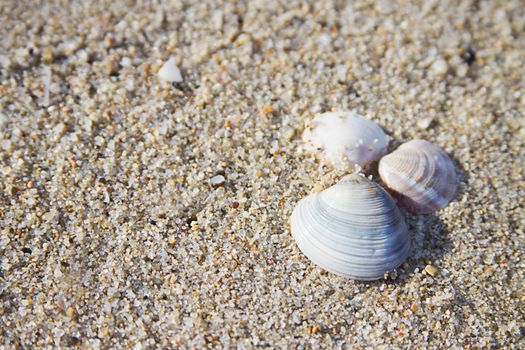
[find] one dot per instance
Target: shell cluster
(355, 228)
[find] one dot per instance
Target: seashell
(170, 72)
(352, 229)
(346, 140)
(421, 175)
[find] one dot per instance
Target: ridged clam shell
(421, 175)
(345, 139)
(352, 229)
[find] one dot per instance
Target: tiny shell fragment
(170, 72)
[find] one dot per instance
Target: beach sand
(113, 234)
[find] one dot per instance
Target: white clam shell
(352, 229)
(421, 175)
(346, 140)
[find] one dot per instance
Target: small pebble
(424, 123)
(47, 55)
(431, 270)
(439, 67)
(315, 329)
(217, 180)
(462, 70)
(289, 134)
(414, 307)
(71, 312)
(125, 62)
(266, 110)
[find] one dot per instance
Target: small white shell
(345, 139)
(353, 229)
(170, 72)
(421, 175)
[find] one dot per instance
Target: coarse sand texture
(150, 210)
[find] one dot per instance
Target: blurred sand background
(114, 236)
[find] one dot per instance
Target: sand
(140, 214)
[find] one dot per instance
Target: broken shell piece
(421, 175)
(353, 229)
(170, 72)
(346, 140)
